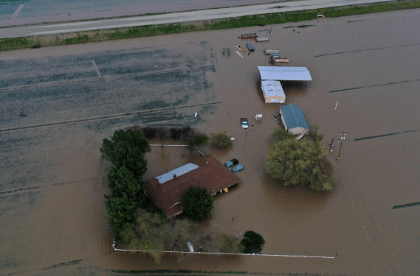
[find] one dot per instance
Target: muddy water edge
(53, 212)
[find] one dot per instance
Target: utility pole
(342, 138)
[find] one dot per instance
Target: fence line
(160, 145)
(220, 253)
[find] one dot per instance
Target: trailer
(275, 60)
(261, 39)
(271, 51)
(247, 36)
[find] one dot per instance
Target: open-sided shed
(273, 92)
(293, 119)
(284, 73)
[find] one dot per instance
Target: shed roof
(272, 88)
(284, 73)
(293, 116)
(210, 174)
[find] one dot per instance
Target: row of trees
(301, 162)
(126, 151)
(187, 134)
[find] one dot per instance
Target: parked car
(244, 123)
(238, 168)
(250, 46)
(231, 162)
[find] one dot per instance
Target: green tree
(124, 197)
(122, 182)
(120, 211)
(197, 203)
(300, 162)
(314, 135)
(280, 134)
(221, 140)
(127, 149)
(197, 140)
(252, 242)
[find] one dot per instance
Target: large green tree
(124, 197)
(300, 162)
(127, 149)
(197, 203)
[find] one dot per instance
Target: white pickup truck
(244, 123)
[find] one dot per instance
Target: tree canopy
(197, 203)
(123, 200)
(127, 149)
(300, 162)
(252, 242)
(221, 140)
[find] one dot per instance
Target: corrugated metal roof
(293, 116)
(284, 73)
(210, 174)
(272, 88)
(178, 172)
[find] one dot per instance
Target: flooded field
(57, 104)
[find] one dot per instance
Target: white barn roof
(273, 92)
(284, 73)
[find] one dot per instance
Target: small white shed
(273, 92)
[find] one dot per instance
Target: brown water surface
(52, 207)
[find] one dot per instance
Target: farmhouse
(167, 189)
(293, 119)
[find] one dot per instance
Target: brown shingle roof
(211, 175)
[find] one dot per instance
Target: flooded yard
(57, 104)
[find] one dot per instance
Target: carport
(284, 73)
(271, 77)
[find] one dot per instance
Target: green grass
(231, 23)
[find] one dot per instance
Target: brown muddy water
(56, 109)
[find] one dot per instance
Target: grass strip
(175, 272)
(222, 24)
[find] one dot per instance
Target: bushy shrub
(197, 203)
(252, 242)
(280, 134)
(221, 140)
(149, 132)
(175, 133)
(187, 133)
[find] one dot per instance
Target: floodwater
(56, 108)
